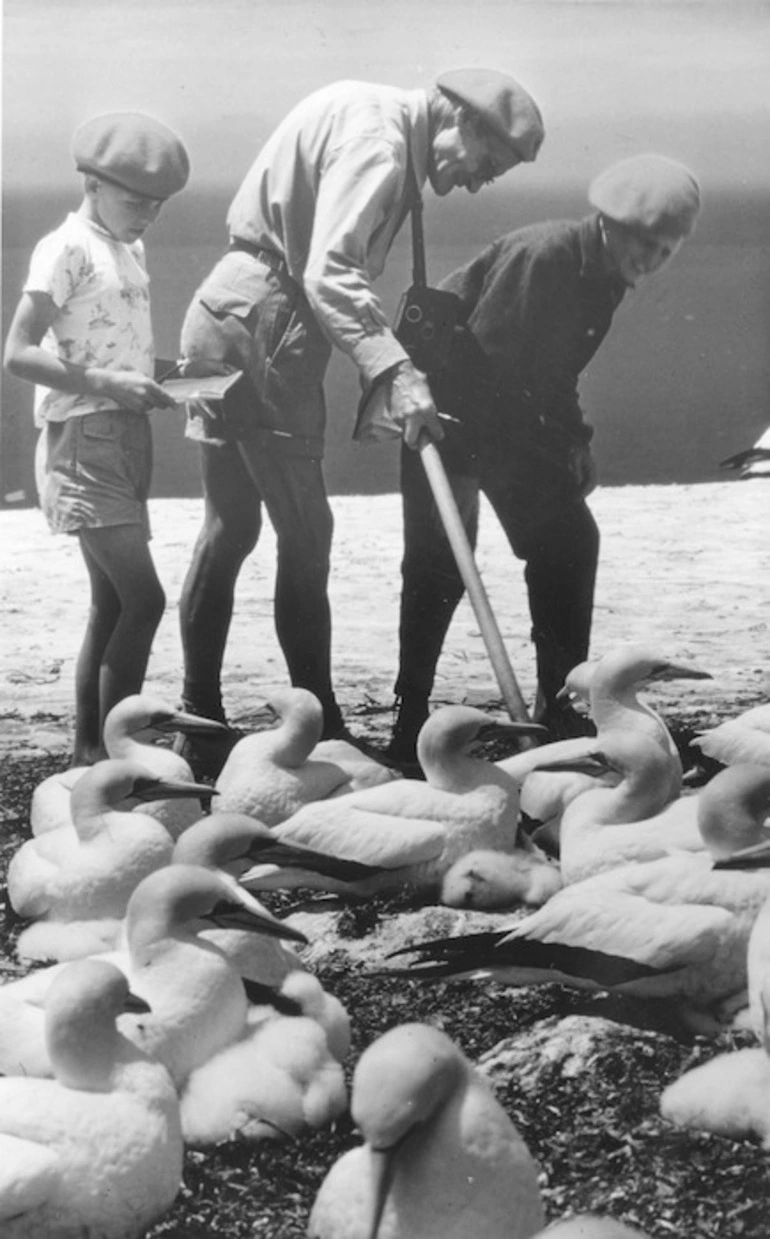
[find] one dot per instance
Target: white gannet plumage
(282, 1078)
(680, 917)
(730, 1094)
(271, 774)
(599, 832)
(98, 1149)
(125, 736)
(75, 881)
(742, 739)
(441, 1158)
(612, 684)
(412, 831)
(197, 999)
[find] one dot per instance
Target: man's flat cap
(134, 151)
(650, 192)
(502, 103)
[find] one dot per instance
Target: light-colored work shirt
(328, 192)
(101, 289)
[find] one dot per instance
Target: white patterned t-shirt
(101, 289)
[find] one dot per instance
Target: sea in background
(682, 380)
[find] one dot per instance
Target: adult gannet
(753, 462)
(611, 684)
(596, 833)
(730, 1094)
(126, 721)
(273, 773)
(441, 1158)
(684, 923)
(197, 999)
(235, 842)
(742, 739)
(412, 831)
(75, 881)
(98, 1149)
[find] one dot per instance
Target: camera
(425, 326)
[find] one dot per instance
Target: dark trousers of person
(560, 552)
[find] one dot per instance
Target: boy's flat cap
(132, 150)
(650, 192)
(502, 103)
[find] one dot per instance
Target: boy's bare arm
(26, 359)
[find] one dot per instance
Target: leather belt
(271, 258)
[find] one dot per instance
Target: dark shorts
(95, 470)
(251, 315)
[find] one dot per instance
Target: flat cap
(134, 151)
(502, 103)
(650, 192)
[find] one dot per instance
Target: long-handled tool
(461, 548)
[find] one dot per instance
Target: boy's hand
(131, 390)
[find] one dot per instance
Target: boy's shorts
(95, 470)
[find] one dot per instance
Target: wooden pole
(461, 548)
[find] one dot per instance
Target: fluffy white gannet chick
(98, 1149)
(441, 1158)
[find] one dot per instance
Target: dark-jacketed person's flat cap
(134, 151)
(649, 192)
(502, 103)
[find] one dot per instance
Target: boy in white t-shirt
(82, 333)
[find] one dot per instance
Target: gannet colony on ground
(172, 947)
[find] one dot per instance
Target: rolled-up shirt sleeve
(360, 192)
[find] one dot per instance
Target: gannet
(271, 774)
(684, 922)
(590, 1226)
(611, 684)
(76, 881)
(230, 842)
(440, 1159)
(752, 462)
(742, 739)
(410, 830)
(730, 1094)
(600, 831)
(282, 1078)
(197, 999)
(130, 718)
(98, 1149)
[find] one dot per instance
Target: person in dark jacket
(535, 306)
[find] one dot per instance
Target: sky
(689, 79)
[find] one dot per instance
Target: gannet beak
(169, 789)
(246, 913)
(495, 730)
(190, 724)
(755, 857)
(595, 764)
(134, 1005)
(678, 671)
(381, 1169)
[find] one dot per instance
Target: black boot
(411, 713)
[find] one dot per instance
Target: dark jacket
(537, 303)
